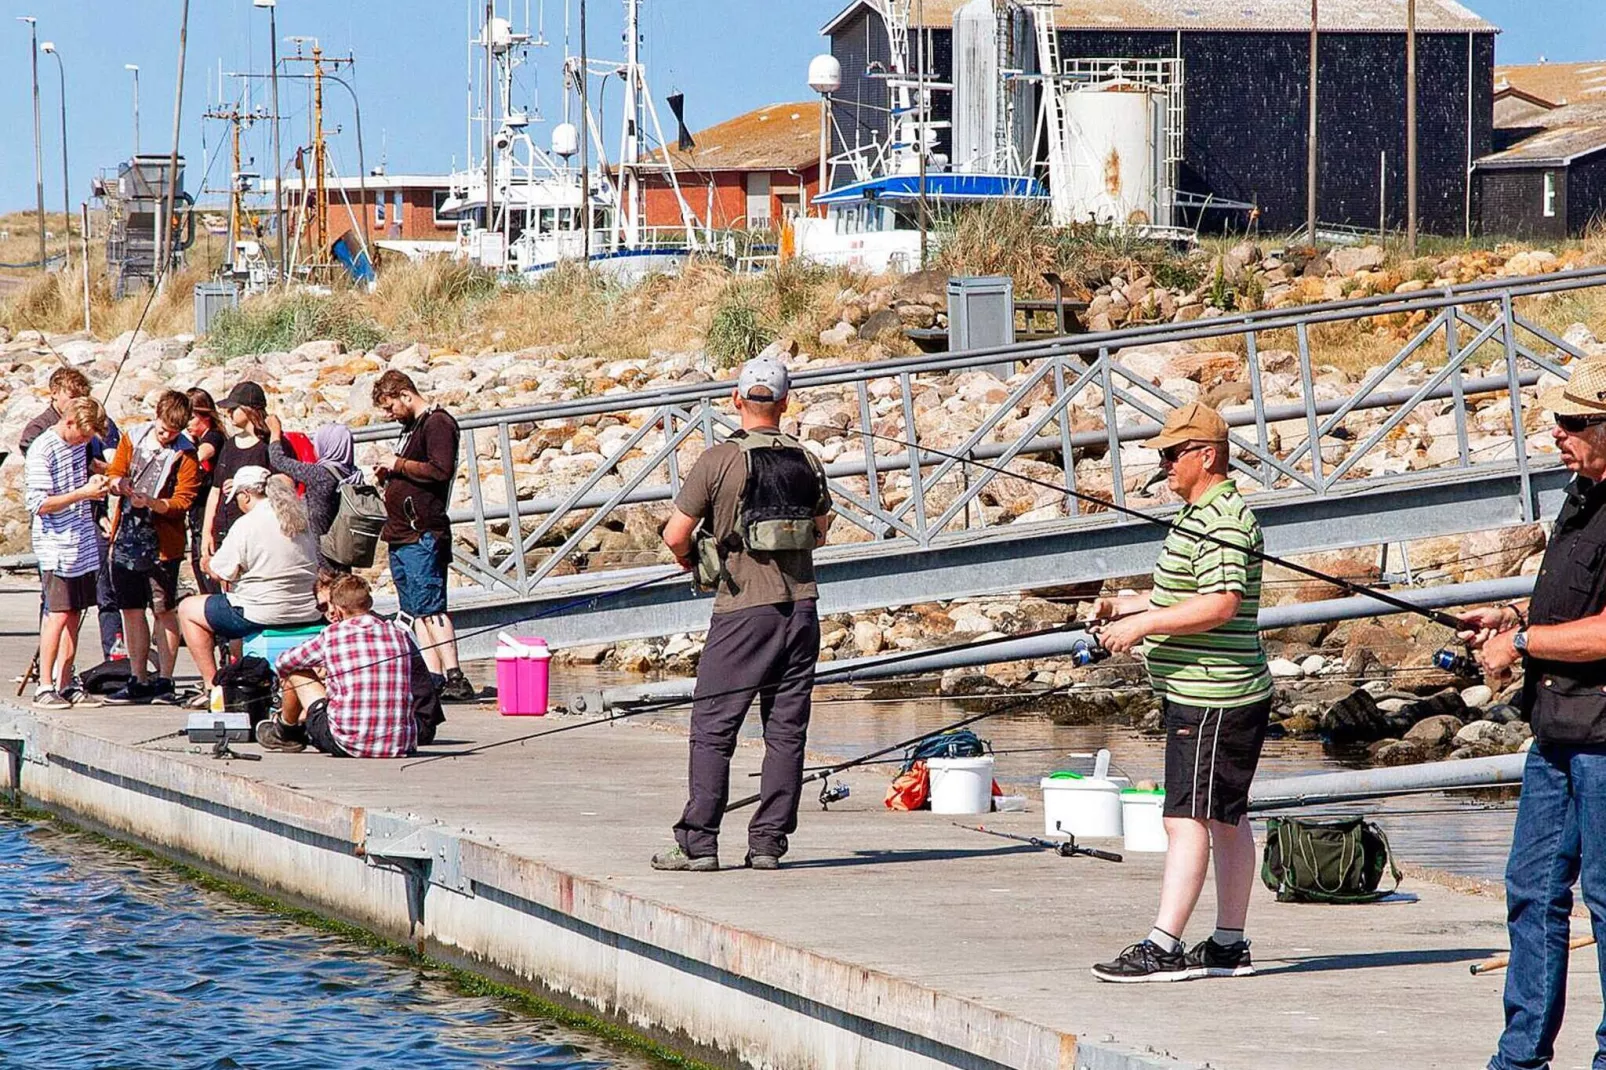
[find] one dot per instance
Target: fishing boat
(526, 209)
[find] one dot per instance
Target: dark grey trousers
(769, 652)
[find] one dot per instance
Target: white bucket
(1143, 820)
(1084, 807)
(961, 785)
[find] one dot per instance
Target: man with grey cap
(747, 520)
(1201, 640)
(1560, 639)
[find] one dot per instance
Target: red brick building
(750, 172)
(397, 207)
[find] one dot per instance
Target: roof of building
(777, 137)
(1556, 146)
(1333, 16)
(1559, 83)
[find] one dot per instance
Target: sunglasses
(1575, 425)
(1171, 454)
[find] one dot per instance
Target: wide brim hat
(1194, 422)
(1583, 395)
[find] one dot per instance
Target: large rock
(1401, 752)
(1349, 261)
(1435, 733)
(320, 350)
(885, 322)
(840, 335)
(1354, 718)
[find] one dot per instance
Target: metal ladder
(1059, 155)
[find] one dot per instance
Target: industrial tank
(1116, 134)
(993, 113)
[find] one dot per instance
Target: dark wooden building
(1246, 104)
(1546, 178)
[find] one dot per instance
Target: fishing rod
(1068, 848)
(826, 772)
(995, 753)
(1345, 585)
(818, 676)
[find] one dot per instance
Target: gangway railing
(1071, 405)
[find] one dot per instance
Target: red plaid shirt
(368, 665)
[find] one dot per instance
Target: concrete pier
(889, 940)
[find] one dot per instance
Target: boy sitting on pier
(358, 689)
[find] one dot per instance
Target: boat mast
(630, 139)
(490, 121)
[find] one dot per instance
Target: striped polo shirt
(1226, 665)
(66, 542)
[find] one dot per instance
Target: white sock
(1227, 937)
(1164, 940)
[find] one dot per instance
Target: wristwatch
(1519, 642)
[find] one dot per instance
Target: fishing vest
(781, 493)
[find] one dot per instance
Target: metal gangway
(912, 522)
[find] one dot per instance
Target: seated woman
(269, 562)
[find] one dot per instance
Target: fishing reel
(1458, 663)
(831, 793)
(1085, 652)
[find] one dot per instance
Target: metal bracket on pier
(410, 844)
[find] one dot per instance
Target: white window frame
(1550, 195)
(435, 199)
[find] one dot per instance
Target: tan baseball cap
(1583, 395)
(1194, 422)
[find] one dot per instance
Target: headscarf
(332, 444)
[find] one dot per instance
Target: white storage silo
(993, 114)
(1117, 137)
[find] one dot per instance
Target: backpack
(781, 493)
(1327, 861)
(353, 535)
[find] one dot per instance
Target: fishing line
(814, 674)
(1348, 586)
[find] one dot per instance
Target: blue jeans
(1560, 836)
(419, 569)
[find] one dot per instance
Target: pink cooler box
(522, 676)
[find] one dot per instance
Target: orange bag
(910, 789)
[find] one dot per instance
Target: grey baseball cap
(765, 373)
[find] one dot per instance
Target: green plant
(1222, 295)
(273, 324)
(1176, 274)
(737, 331)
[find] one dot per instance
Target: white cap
(763, 373)
(251, 477)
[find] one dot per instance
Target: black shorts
(67, 594)
(316, 724)
(155, 590)
(1210, 758)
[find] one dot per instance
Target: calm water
(109, 962)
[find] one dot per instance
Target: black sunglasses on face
(1171, 454)
(1575, 425)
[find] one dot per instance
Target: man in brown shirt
(764, 637)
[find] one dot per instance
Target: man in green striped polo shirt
(1198, 631)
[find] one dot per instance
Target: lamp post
(278, 157)
(49, 47)
(825, 78)
(135, 68)
(38, 157)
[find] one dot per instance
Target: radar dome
(565, 140)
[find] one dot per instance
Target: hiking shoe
(82, 699)
(166, 692)
(758, 860)
(51, 699)
(201, 700)
(1210, 959)
(1144, 961)
(457, 688)
(134, 693)
(271, 735)
(678, 860)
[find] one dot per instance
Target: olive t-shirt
(711, 493)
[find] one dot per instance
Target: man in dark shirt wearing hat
(1560, 638)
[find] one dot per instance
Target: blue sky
(726, 55)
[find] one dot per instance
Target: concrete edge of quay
(721, 994)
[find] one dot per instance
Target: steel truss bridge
(912, 515)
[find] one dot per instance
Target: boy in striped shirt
(66, 539)
(1201, 640)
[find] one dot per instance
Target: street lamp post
(38, 157)
(135, 68)
(66, 183)
(278, 157)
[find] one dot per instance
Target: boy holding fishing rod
(1201, 640)
(1560, 638)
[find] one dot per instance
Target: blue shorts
(226, 620)
(419, 569)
